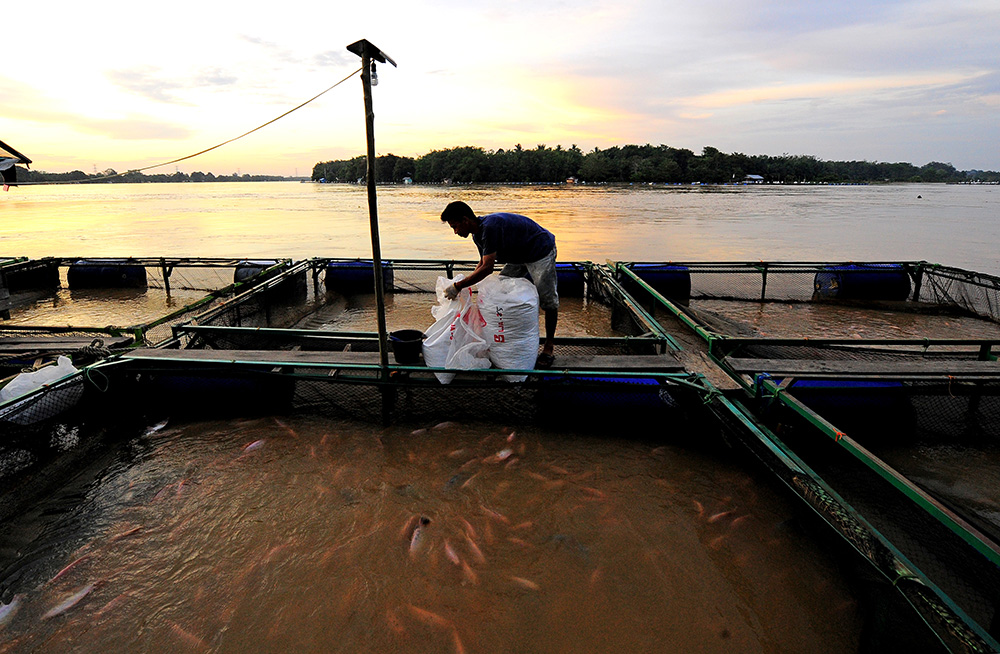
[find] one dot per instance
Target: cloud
(333, 58)
(24, 103)
(216, 77)
(149, 82)
(146, 82)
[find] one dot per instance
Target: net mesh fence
(890, 282)
(964, 574)
(959, 412)
(338, 287)
(866, 535)
(144, 297)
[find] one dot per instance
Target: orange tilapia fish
(720, 516)
(429, 617)
(187, 637)
(477, 554)
(69, 602)
(525, 583)
(250, 447)
(70, 567)
(406, 532)
(469, 575)
(495, 515)
(449, 551)
(418, 537)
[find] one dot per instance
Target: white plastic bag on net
(28, 411)
(456, 339)
(510, 309)
(29, 381)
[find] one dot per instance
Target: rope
(191, 156)
(88, 373)
(95, 351)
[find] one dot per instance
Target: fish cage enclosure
(923, 361)
(302, 342)
(312, 329)
(56, 313)
(882, 380)
(302, 339)
(60, 305)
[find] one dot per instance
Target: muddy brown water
(181, 541)
(296, 534)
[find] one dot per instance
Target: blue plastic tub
(570, 279)
(602, 397)
(356, 277)
(863, 282)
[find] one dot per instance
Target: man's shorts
(543, 274)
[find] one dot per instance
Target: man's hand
(451, 292)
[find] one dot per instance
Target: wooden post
(369, 52)
(366, 83)
(166, 275)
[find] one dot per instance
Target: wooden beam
(630, 363)
(833, 368)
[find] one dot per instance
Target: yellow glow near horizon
(137, 84)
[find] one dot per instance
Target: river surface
(950, 225)
(299, 533)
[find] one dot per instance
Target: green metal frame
(765, 389)
(896, 568)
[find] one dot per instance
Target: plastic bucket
(406, 345)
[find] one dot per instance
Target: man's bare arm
(483, 270)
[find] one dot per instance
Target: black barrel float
(875, 281)
(670, 281)
(247, 269)
(356, 277)
(106, 273)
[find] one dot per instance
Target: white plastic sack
(29, 381)
(509, 306)
(456, 339)
(31, 411)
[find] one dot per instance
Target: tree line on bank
(110, 176)
(631, 164)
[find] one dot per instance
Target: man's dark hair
(456, 211)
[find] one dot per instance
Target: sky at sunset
(126, 85)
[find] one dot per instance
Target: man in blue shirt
(523, 246)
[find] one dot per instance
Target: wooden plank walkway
(13, 345)
(830, 368)
(625, 363)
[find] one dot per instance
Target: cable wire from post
(191, 156)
